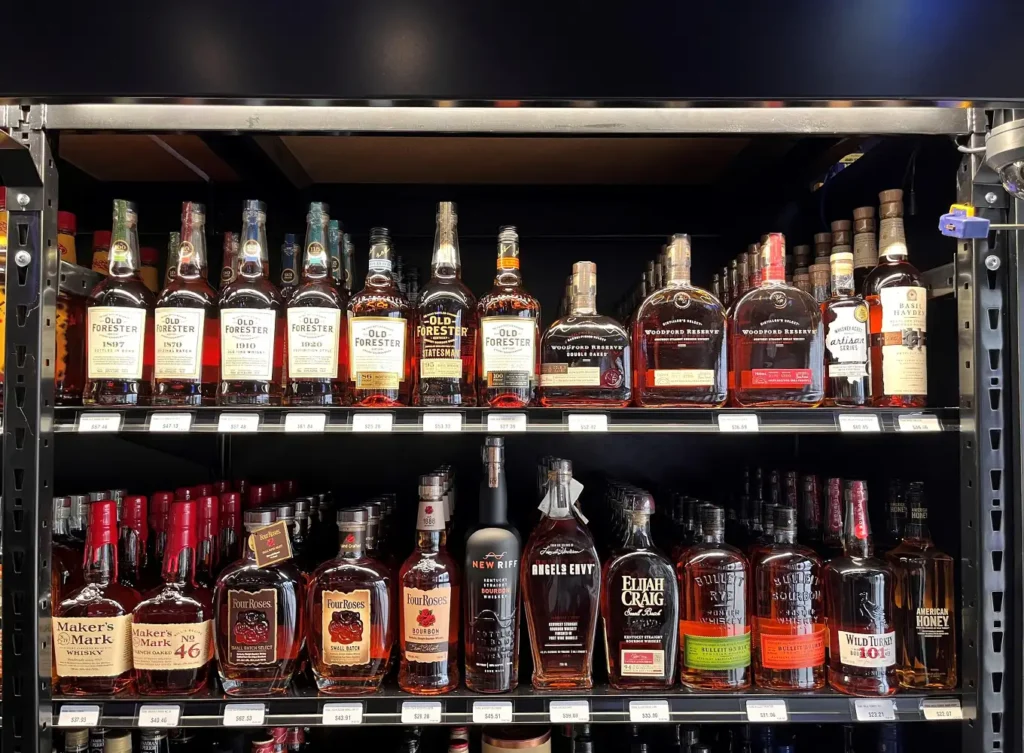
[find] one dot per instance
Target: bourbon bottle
(207, 545)
(846, 338)
(865, 247)
(291, 256)
(230, 539)
(134, 535)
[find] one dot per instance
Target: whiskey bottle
(252, 333)
(347, 250)
(714, 627)
(119, 336)
(172, 629)
(789, 615)
(230, 538)
(679, 340)
(809, 523)
(865, 250)
(131, 547)
(898, 306)
(561, 583)
(291, 255)
(640, 606)
(925, 604)
(316, 338)
(446, 330)
(832, 535)
(859, 592)
(428, 589)
(171, 269)
(351, 615)
(229, 259)
(585, 357)
(509, 333)
(378, 323)
(492, 584)
(187, 352)
(846, 338)
(207, 544)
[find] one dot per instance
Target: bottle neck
(430, 542)
(494, 495)
(381, 263)
(316, 262)
(639, 534)
(892, 241)
(100, 564)
(857, 529)
(445, 262)
(508, 274)
(180, 568)
(123, 254)
(131, 550)
(784, 536)
(917, 530)
(561, 498)
(192, 249)
(352, 544)
(252, 248)
(712, 535)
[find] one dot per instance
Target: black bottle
(491, 590)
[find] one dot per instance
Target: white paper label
(238, 422)
(859, 422)
(99, 422)
(442, 422)
(567, 712)
(737, 422)
(78, 716)
(116, 336)
(305, 422)
(372, 421)
(918, 423)
(170, 422)
(154, 715)
(904, 355)
(588, 422)
(649, 711)
(573, 376)
(874, 709)
(767, 711)
(244, 714)
(865, 253)
(377, 347)
(847, 343)
(509, 345)
(178, 335)
(421, 713)
(492, 712)
(941, 709)
(867, 649)
(247, 344)
(313, 336)
(342, 713)
(506, 422)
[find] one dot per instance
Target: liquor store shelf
(522, 706)
(481, 420)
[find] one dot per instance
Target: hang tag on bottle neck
(575, 490)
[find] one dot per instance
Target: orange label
(779, 651)
(508, 262)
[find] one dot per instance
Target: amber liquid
(508, 301)
(69, 368)
(127, 293)
(187, 391)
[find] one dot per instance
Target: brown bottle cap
(841, 225)
(864, 213)
(891, 196)
(822, 238)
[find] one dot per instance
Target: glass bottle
(171, 269)
(777, 350)
(509, 333)
(896, 513)
(846, 338)
(207, 544)
(714, 624)
(859, 604)
(832, 536)
(561, 583)
(347, 250)
(172, 628)
(585, 357)
(679, 339)
(229, 259)
(119, 335)
(131, 548)
(291, 255)
(865, 249)
(428, 592)
(230, 538)
(378, 331)
(187, 342)
(316, 337)
(252, 339)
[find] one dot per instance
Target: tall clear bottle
(846, 338)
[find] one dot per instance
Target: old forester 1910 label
(247, 344)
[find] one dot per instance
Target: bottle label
(564, 375)
(892, 238)
(783, 651)
(92, 646)
(101, 262)
(639, 619)
(313, 338)
(271, 545)
(179, 343)
(441, 337)
(931, 622)
(252, 627)
(904, 355)
(683, 377)
(776, 378)
(570, 575)
(427, 617)
(345, 634)
(509, 350)
(116, 340)
(247, 344)
(865, 254)
(847, 343)
(492, 589)
(377, 351)
(867, 649)
(717, 651)
(586, 358)
(642, 663)
(168, 647)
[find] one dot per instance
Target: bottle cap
(712, 518)
(561, 468)
(61, 508)
(209, 509)
(493, 450)
(202, 490)
(258, 495)
(372, 512)
(133, 515)
(640, 502)
(117, 742)
(76, 738)
(254, 205)
(242, 485)
(158, 506)
(259, 517)
(184, 492)
(285, 511)
(824, 239)
(773, 257)
(66, 223)
(584, 278)
(291, 488)
(785, 518)
(181, 529)
(101, 240)
(432, 486)
(379, 235)
(447, 209)
(189, 210)
(221, 487)
(230, 503)
(301, 505)
(890, 196)
(99, 496)
(352, 519)
(102, 523)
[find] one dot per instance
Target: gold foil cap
(116, 742)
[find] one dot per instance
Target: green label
(706, 652)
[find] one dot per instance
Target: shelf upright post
(28, 171)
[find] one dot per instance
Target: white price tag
(942, 709)
(874, 709)
(78, 716)
(767, 711)
(506, 422)
(588, 422)
(305, 422)
(855, 422)
(238, 422)
(919, 423)
(569, 712)
(155, 715)
(372, 421)
(649, 711)
(737, 422)
(442, 422)
(244, 714)
(421, 713)
(99, 422)
(342, 713)
(170, 422)
(492, 712)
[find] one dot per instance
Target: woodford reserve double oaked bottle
(679, 349)
(446, 324)
(509, 333)
(187, 341)
(251, 322)
(258, 612)
(846, 338)
(640, 606)
(561, 583)
(119, 335)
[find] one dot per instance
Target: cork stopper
(640, 502)
(890, 204)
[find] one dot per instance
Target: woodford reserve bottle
(187, 352)
(119, 335)
(561, 582)
(252, 336)
(846, 338)
(491, 593)
(446, 324)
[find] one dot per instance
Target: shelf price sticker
(918, 423)
(342, 713)
(649, 711)
(421, 713)
(506, 422)
(244, 714)
(170, 422)
(738, 422)
(78, 716)
(767, 711)
(942, 709)
(874, 709)
(492, 712)
(158, 715)
(588, 422)
(238, 423)
(569, 712)
(442, 422)
(859, 422)
(305, 423)
(373, 421)
(99, 422)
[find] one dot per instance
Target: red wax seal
(209, 508)
(181, 530)
(102, 524)
(230, 503)
(184, 492)
(133, 515)
(258, 495)
(203, 490)
(221, 487)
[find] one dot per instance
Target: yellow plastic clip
(967, 209)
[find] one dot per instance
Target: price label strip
(158, 715)
(373, 421)
(238, 423)
(853, 422)
(942, 709)
(302, 423)
(506, 422)
(569, 712)
(738, 422)
(78, 716)
(918, 423)
(244, 714)
(170, 422)
(588, 422)
(874, 710)
(649, 711)
(335, 714)
(95, 422)
(421, 713)
(444, 422)
(767, 711)
(492, 712)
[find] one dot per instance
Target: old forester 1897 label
(116, 338)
